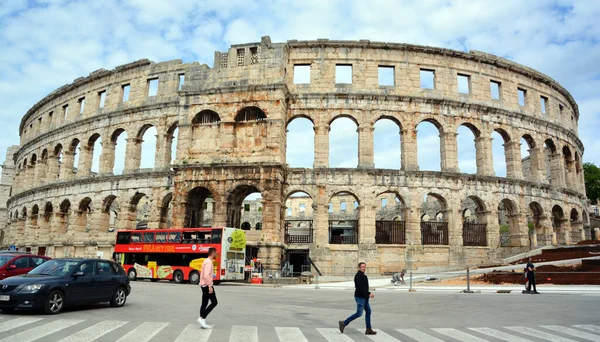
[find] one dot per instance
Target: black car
(65, 282)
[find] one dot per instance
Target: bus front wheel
(178, 277)
(132, 274)
(194, 278)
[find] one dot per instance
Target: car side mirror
(78, 274)
(12, 267)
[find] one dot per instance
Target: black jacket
(361, 283)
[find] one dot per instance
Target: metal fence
(298, 234)
(474, 234)
(344, 238)
(390, 232)
(340, 271)
(434, 233)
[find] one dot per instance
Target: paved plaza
(168, 312)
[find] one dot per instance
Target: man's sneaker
(370, 331)
(535, 292)
(203, 324)
(342, 326)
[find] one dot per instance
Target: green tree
(592, 181)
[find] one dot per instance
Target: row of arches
(430, 146)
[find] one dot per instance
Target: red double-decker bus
(177, 254)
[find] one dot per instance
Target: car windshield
(55, 268)
(4, 259)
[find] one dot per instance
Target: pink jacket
(206, 273)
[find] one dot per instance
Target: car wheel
(154, 280)
(194, 278)
(118, 298)
(178, 277)
(216, 282)
(55, 303)
(132, 274)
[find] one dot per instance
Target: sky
(45, 44)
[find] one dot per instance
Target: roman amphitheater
(221, 134)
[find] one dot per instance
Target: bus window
(148, 237)
(136, 237)
(161, 237)
(123, 238)
(216, 236)
(187, 238)
(175, 237)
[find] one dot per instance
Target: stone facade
(231, 122)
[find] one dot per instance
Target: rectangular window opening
(153, 87)
(522, 96)
(241, 55)
(343, 206)
(302, 207)
(495, 90)
(330, 209)
(289, 211)
(384, 202)
(65, 112)
(125, 90)
(101, 98)
(224, 58)
(246, 207)
(561, 108)
(543, 104)
(343, 73)
(181, 81)
(385, 74)
(50, 117)
(254, 55)
(355, 205)
(427, 79)
(81, 105)
(301, 73)
(464, 84)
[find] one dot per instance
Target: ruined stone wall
(231, 121)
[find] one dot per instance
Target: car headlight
(32, 288)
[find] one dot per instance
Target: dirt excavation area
(586, 272)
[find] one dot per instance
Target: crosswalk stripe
(144, 332)
(290, 334)
(333, 335)
(418, 335)
(572, 332)
(17, 322)
(380, 337)
(539, 334)
(193, 333)
(459, 335)
(501, 335)
(243, 333)
(589, 327)
(94, 332)
(42, 330)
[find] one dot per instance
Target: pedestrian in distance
(208, 291)
(361, 296)
(530, 269)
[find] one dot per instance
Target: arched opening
(48, 210)
(390, 226)
(110, 210)
(35, 212)
(205, 132)
(206, 117)
(76, 152)
(246, 226)
(166, 210)
(474, 222)
(300, 143)
(467, 150)
(579, 180)
(95, 148)
(251, 113)
(387, 136)
(500, 151)
(199, 208)
(172, 139)
(551, 167)
(64, 216)
(559, 224)
(508, 222)
(535, 215)
(574, 215)
(83, 213)
(429, 146)
(245, 204)
(148, 134)
(58, 159)
(569, 166)
(298, 218)
(343, 218)
(434, 220)
(343, 143)
(119, 139)
(528, 164)
(140, 206)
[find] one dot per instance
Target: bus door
(234, 265)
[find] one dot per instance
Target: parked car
(13, 264)
(59, 283)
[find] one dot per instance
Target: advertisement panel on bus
(178, 254)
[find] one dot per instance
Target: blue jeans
(361, 303)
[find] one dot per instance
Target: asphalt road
(165, 312)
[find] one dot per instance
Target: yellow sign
(152, 266)
(238, 242)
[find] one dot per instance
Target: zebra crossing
(29, 329)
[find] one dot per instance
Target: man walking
(530, 276)
(361, 296)
(208, 292)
